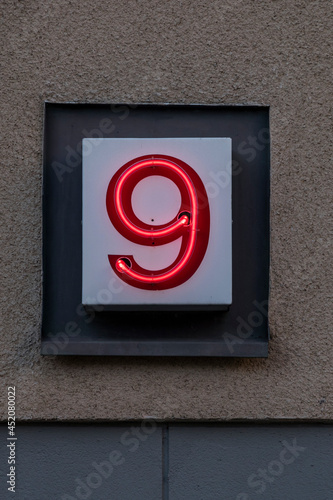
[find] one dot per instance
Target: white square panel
(155, 200)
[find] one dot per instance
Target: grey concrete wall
(251, 463)
(61, 462)
(273, 53)
(192, 462)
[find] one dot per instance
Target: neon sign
(192, 222)
(156, 223)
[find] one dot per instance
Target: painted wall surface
(231, 52)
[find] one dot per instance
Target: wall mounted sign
(150, 226)
(155, 230)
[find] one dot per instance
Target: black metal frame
(242, 330)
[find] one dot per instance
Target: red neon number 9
(191, 223)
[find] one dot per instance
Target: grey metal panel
(248, 462)
(52, 460)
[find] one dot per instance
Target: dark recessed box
(69, 329)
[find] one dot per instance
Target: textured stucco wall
(275, 53)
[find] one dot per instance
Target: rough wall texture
(275, 53)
